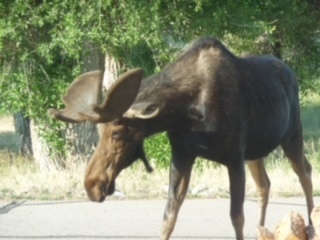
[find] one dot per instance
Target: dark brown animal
(212, 104)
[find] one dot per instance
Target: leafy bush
(158, 149)
(42, 43)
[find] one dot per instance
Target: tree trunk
(112, 68)
(270, 44)
(41, 151)
(22, 127)
(82, 137)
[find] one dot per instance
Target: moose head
(121, 135)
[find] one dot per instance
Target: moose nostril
(102, 192)
(96, 190)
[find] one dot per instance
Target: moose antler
(82, 97)
(82, 93)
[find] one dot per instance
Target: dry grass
(21, 178)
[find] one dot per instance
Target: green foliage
(311, 117)
(158, 149)
(42, 42)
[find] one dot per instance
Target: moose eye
(116, 135)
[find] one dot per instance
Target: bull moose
(212, 104)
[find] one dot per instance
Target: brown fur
(212, 104)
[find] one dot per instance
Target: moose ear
(143, 110)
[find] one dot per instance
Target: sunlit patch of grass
(284, 181)
(21, 179)
(310, 116)
(9, 141)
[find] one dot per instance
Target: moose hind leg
(261, 179)
(293, 149)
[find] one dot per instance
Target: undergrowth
(21, 178)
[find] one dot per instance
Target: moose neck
(173, 94)
(172, 120)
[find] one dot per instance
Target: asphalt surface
(133, 219)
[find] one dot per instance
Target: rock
(315, 217)
(165, 189)
(264, 234)
(198, 189)
(292, 227)
(118, 194)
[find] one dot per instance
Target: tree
(22, 126)
(44, 45)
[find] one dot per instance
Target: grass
(20, 178)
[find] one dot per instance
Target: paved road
(138, 220)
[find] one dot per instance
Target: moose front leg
(237, 188)
(179, 182)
